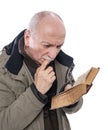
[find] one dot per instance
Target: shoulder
(3, 58)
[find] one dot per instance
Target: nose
(53, 53)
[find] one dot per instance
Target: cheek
(38, 52)
(32, 45)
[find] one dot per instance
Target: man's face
(46, 43)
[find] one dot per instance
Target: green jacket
(19, 107)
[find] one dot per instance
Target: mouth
(48, 59)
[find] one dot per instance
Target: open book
(81, 86)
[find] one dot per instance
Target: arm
(74, 107)
(16, 114)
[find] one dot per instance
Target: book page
(87, 77)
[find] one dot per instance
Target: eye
(46, 46)
(59, 46)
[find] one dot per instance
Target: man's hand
(44, 77)
(68, 86)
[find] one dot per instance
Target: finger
(53, 78)
(49, 69)
(44, 65)
(68, 87)
(52, 74)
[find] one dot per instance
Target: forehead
(51, 26)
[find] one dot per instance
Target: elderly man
(33, 68)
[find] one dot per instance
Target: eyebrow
(45, 42)
(48, 43)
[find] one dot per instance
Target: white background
(86, 23)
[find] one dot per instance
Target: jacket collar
(65, 59)
(15, 61)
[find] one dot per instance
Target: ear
(26, 37)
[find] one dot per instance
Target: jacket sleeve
(17, 113)
(74, 107)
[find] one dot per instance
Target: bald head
(45, 18)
